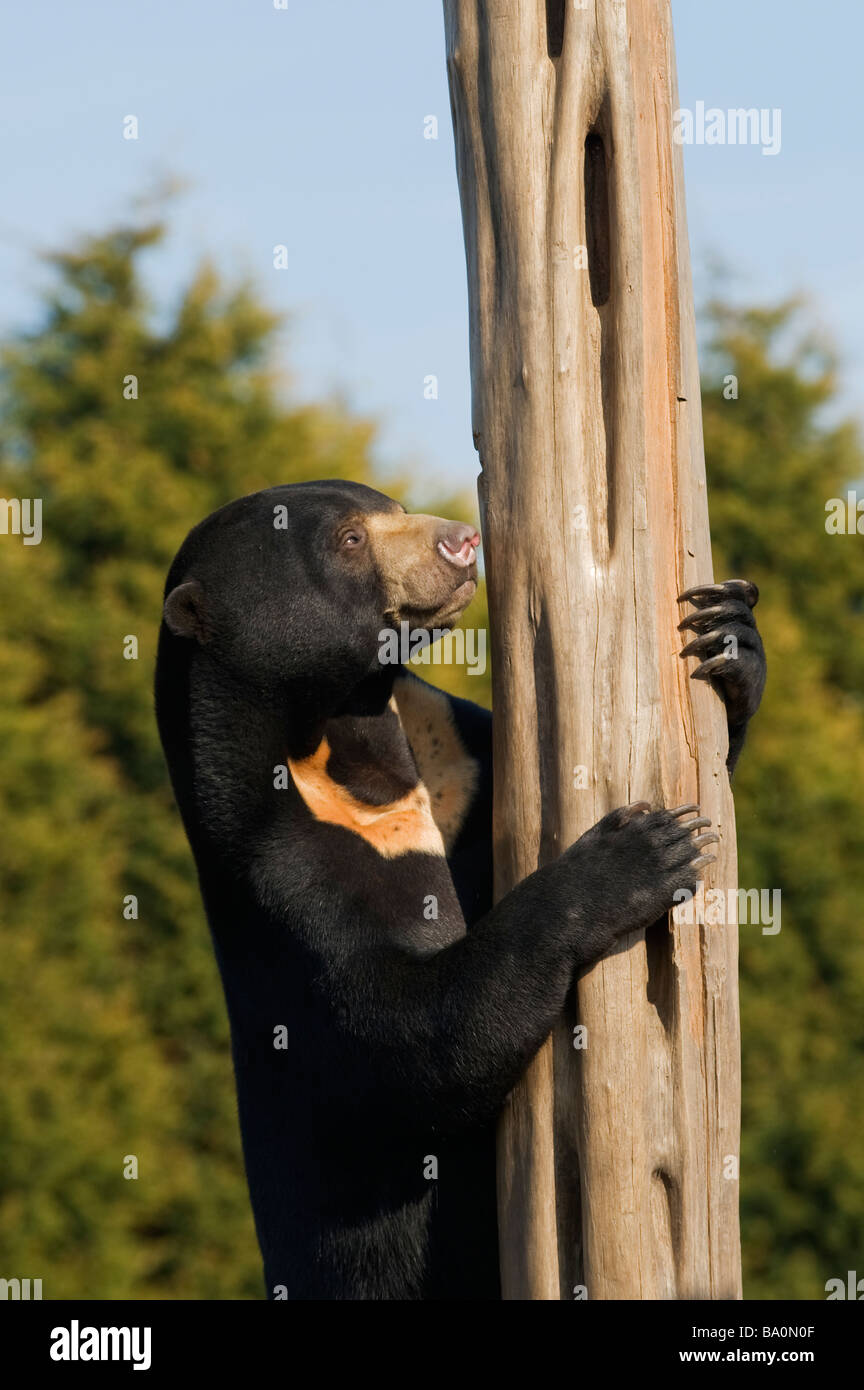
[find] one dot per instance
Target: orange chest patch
(400, 827)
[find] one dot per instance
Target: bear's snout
(458, 543)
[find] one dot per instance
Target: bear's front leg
(731, 651)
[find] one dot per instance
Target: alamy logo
(717, 907)
(464, 646)
(853, 1287)
(76, 1343)
(20, 1289)
(737, 126)
(21, 516)
(846, 515)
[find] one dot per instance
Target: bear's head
(295, 584)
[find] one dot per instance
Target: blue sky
(304, 127)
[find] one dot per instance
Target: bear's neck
(237, 740)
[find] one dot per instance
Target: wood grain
(587, 420)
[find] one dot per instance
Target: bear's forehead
(289, 511)
(327, 497)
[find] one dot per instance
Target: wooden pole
(617, 1163)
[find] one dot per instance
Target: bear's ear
(184, 611)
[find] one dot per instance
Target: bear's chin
(425, 620)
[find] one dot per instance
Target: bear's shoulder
(447, 764)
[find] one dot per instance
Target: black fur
(405, 1031)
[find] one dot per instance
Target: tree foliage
(113, 1029)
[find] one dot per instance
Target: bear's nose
(457, 542)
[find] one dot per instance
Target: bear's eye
(350, 539)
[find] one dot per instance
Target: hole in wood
(670, 1206)
(555, 11)
(597, 232)
(661, 972)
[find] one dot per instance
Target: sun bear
(339, 812)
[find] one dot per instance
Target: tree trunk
(617, 1161)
